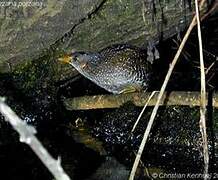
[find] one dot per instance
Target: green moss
(33, 74)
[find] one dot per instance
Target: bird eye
(75, 58)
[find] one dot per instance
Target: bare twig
(202, 122)
(145, 168)
(210, 67)
(27, 136)
(211, 11)
(140, 115)
(154, 112)
(174, 98)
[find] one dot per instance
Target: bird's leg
(128, 89)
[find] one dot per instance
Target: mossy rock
(29, 32)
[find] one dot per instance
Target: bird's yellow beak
(65, 59)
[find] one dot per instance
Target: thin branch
(202, 122)
(27, 136)
(154, 112)
(140, 115)
(210, 67)
(174, 98)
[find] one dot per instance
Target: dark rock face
(172, 126)
(28, 30)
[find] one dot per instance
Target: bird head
(80, 60)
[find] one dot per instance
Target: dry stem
(202, 122)
(140, 115)
(27, 136)
(154, 112)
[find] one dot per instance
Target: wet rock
(27, 31)
(172, 126)
(111, 169)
